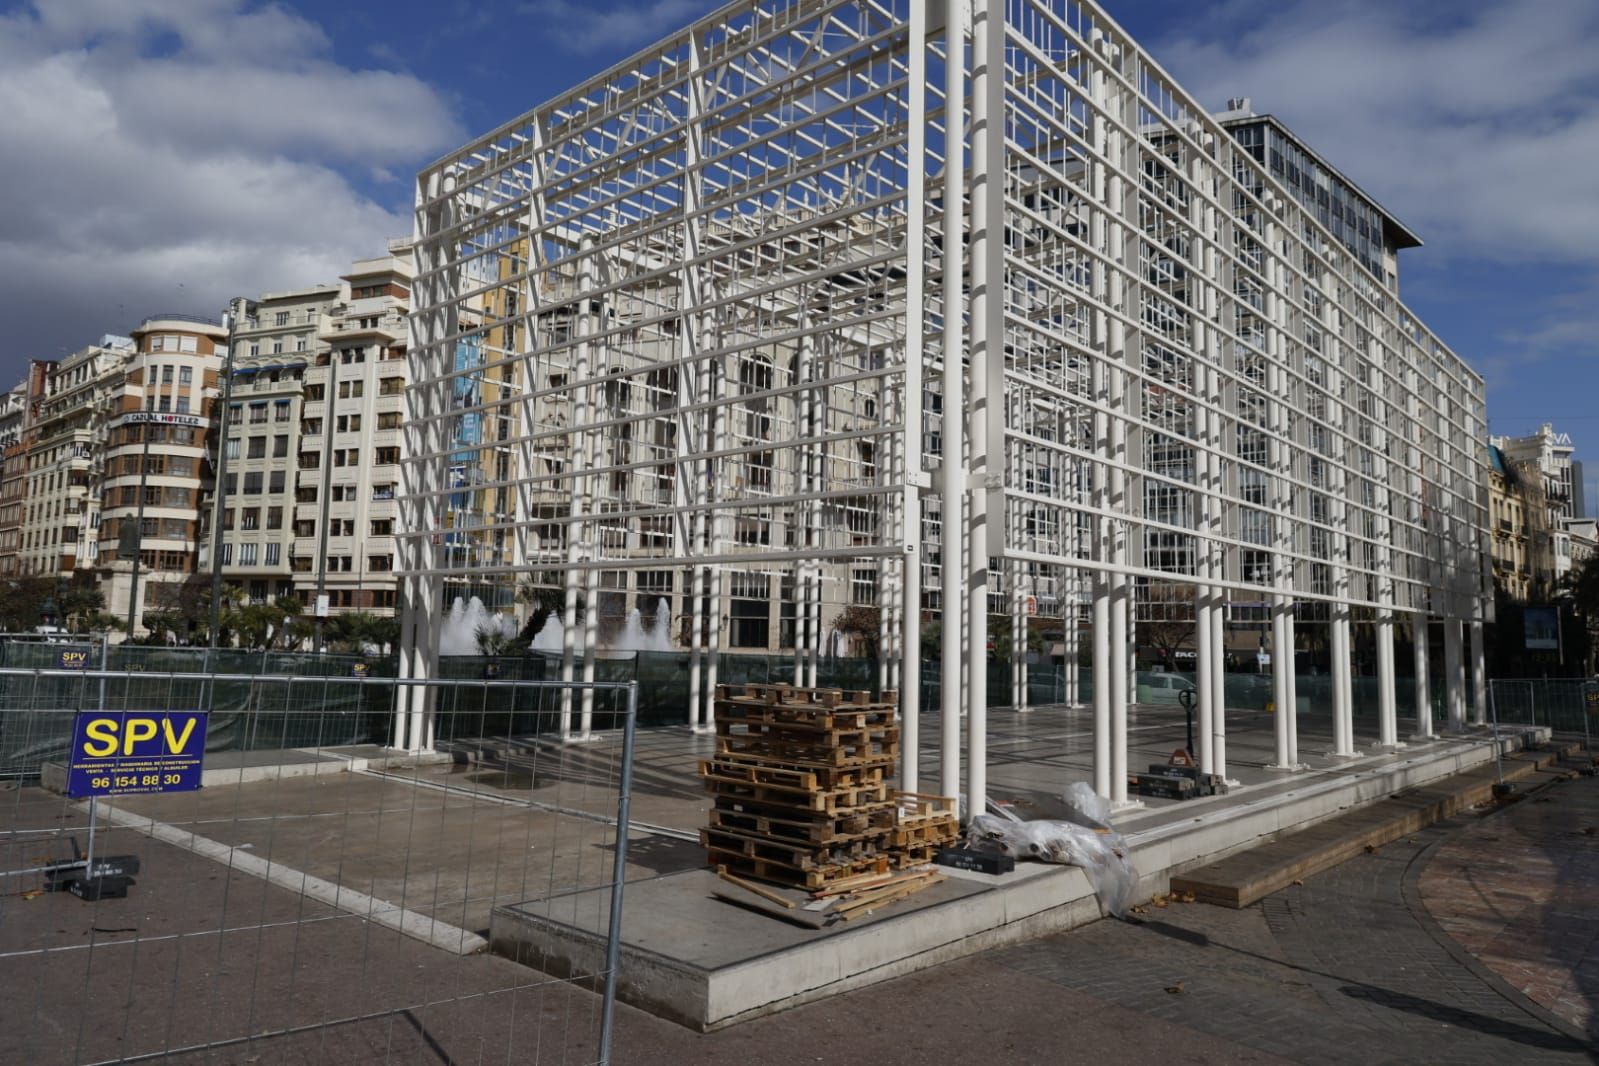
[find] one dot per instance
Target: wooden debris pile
(801, 791)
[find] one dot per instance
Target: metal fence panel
(322, 898)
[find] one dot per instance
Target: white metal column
(1454, 675)
(910, 695)
(952, 478)
(1418, 632)
(1387, 703)
(987, 360)
(1479, 677)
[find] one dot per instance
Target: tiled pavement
(1347, 967)
(1521, 893)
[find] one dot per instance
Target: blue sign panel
(72, 659)
(120, 752)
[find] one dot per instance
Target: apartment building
(347, 459)
(275, 342)
(1522, 550)
(61, 510)
(16, 428)
(157, 465)
(1543, 465)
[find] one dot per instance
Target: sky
(163, 155)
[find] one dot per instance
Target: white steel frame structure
(709, 289)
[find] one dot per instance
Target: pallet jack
(1179, 777)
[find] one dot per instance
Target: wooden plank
(764, 893)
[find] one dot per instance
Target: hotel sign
(159, 418)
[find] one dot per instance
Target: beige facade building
(65, 454)
(157, 466)
(348, 454)
(275, 342)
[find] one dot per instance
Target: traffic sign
(121, 752)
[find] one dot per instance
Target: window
(391, 387)
(386, 456)
(186, 375)
(310, 460)
(273, 554)
(232, 449)
(252, 483)
(258, 413)
(383, 492)
(281, 411)
(227, 553)
(389, 420)
(166, 375)
(280, 446)
(750, 611)
(311, 427)
(257, 448)
(349, 390)
(277, 480)
(274, 518)
(315, 393)
(247, 554)
(183, 405)
(281, 318)
(250, 518)
(380, 564)
(349, 423)
(382, 527)
(305, 527)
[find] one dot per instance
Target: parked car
(1163, 690)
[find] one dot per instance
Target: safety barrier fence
(300, 891)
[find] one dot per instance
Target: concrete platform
(707, 964)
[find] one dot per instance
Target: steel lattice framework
(692, 316)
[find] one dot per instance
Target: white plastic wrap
(1087, 807)
(1101, 853)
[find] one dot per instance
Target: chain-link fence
(320, 896)
(1565, 705)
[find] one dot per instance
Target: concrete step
(1241, 879)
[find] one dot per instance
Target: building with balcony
(17, 413)
(346, 464)
(276, 340)
(1543, 465)
(157, 466)
(65, 458)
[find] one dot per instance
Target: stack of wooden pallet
(922, 825)
(801, 791)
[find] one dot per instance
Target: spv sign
(72, 659)
(119, 752)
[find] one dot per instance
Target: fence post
(613, 934)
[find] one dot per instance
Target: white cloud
(164, 155)
(1475, 123)
(579, 27)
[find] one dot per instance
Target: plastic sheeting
(1086, 841)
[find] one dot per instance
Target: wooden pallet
(760, 770)
(802, 854)
(816, 878)
(861, 754)
(828, 801)
(786, 823)
(789, 695)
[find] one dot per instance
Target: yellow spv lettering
(177, 741)
(103, 730)
(139, 729)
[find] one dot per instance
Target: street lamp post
(237, 308)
